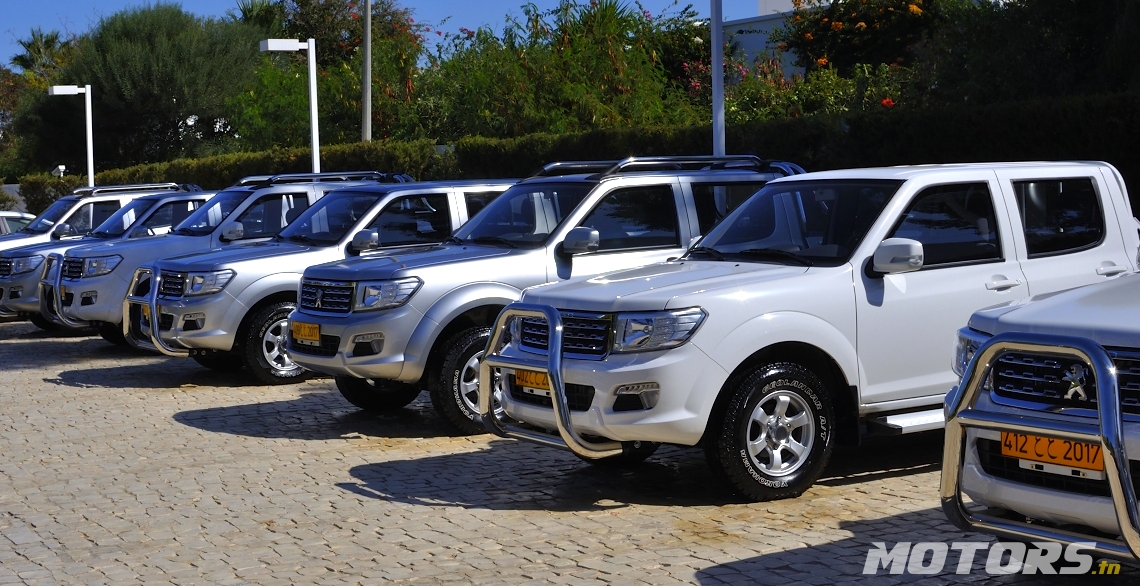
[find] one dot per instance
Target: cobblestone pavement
(121, 467)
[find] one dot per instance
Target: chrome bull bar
(5, 313)
(1109, 434)
(568, 437)
(51, 306)
(153, 340)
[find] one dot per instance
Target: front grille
(1065, 382)
(1007, 468)
(582, 334)
(1127, 379)
(329, 346)
(578, 397)
(173, 285)
(5, 267)
(72, 268)
(330, 296)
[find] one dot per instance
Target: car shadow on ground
(161, 374)
(317, 415)
(843, 561)
(514, 475)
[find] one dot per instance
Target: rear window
(1059, 215)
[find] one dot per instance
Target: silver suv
(387, 326)
(146, 216)
(89, 283)
(229, 308)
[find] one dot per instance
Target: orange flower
(860, 26)
(837, 26)
(808, 36)
(915, 10)
(888, 103)
(822, 62)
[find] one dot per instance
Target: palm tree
(44, 53)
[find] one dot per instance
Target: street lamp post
(717, 31)
(71, 90)
(366, 101)
(310, 47)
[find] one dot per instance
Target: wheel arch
(272, 298)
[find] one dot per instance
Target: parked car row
(608, 307)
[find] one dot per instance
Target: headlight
(656, 330)
(207, 283)
(385, 294)
(968, 343)
(100, 265)
(26, 264)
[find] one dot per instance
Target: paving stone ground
(118, 467)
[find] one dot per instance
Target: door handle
(1110, 271)
(1006, 284)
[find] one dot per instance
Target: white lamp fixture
(71, 90)
(290, 45)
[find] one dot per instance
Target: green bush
(40, 191)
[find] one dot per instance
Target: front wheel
(376, 395)
(112, 333)
(455, 388)
(266, 352)
(775, 436)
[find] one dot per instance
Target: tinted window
(954, 223)
(101, 210)
(47, 219)
(640, 217)
(714, 201)
(270, 213)
(1059, 215)
(419, 219)
(477, 201)
(526, 214)
(80, 221)
(212, 213)
(169, 215)
(17, 224)
(332, 217)
(118, 223)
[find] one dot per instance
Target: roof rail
(98, 189)
(701, 162)
(330, 176)
(572, 167)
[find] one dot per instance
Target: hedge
(39, 191)
(1100, 127)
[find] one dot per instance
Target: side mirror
(581, 239)
(366, 240)
(60, 231)
(232, 231)
(140, 232)
(897, 255)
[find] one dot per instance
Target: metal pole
(90, 149)
(716, 22)
(366, 100)
(313, 105)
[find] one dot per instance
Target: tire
(376, 396)
(112, 333)
(221, 361)
(632, 454)
(774, 393)
(265, 350)
(455, 386)
(43, 323)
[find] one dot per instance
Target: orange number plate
(534, 380)
(306, 333)
(1052, 451)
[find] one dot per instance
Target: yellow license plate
(1052, 451)
(306, 333)
(534, 380)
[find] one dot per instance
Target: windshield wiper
(776, 254)
(493, 240)
(186, 231)
(100, 234)
(307, 239)
(453, 240)
(705, 250)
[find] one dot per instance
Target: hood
(49, 247)
(403, 263)
(1108, 313)
(653, 287)
(220, 258)
(117, 246)
(9, 241)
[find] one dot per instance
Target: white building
(751, 34)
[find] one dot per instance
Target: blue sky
(17, 17)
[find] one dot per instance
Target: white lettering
(1042, 558)
(1016, 553)
(937, 558)
(1073, 554)
(894, 560)
(966, 558)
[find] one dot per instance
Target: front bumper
(26, 287)
(337, 353)
(185, 325)
(968, 420)
(687, 378)
(93, 299)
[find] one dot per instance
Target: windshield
(525, 215)
(805, 222)
(211, 214)
(331, 217)
(50, 216)
(118, 223)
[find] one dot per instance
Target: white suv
(825, 304)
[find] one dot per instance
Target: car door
(423, 218)
(636, 226)
(270, 213)
(167, 216)
(1063, 237)
(907, 322)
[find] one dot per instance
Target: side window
(478, 201)
(80, 221)
(418, 219)
(1059, 215)
(270, 213)
(101, 210)
(714, 201)
(640, 217)
(170, 214)
(954, 223)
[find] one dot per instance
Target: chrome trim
(611, 333)
(1109, 433)
(567, 437)
(154, 335)
(58, 316)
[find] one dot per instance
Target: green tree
(44, 54)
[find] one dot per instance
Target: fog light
(88, 297)
(367, 344)
(193, 321)
(15, 292)
(649, 393)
